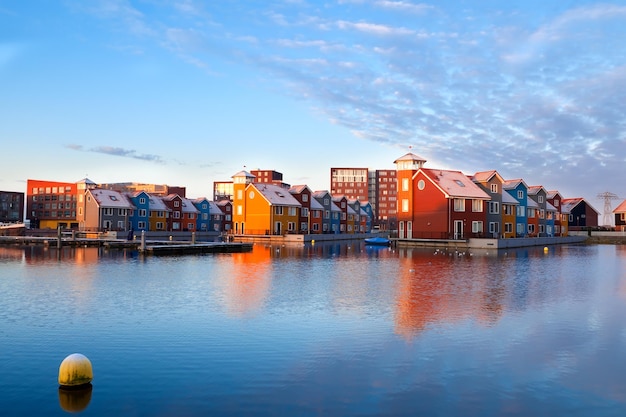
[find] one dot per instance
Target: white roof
(276, 196)
(455, 183)
(508, 199)
(188, 206)
(316, 205)
(156, 204)
(111, 199)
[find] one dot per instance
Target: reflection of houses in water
(446, 287)
(247, 283)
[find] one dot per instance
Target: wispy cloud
(116, 151)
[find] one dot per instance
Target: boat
(378, 241)
(12, 229)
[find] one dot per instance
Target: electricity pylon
(607, 219)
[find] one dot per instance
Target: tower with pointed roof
(241, 180)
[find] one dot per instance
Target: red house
(437, 203)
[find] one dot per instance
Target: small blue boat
(378, 241)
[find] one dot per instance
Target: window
(176, 203)
(305, 198)
(159, 225)
(192, 215)
(521, 211)
(520, 195)
(542, 213)
(494, 227)
(292, 211)
(304, 211)
(107, 212)
(531, 213)
(520, 228)
(531, 228)
(303, 226)
(112, 197)
(142, 200)
(477, 206)
(278, 210)
(142, 212)
(494, 207)
(405, 184)
(459, 204)
(177, 214)
(141, 225)
(120, 224)
(121, 212)
(477, 227)
(190, 226)
(494, 188)
(291, 226)
(556, 202)
(541, 228)
(508, 227)
(405, 205)
(508, 209)
(239, 210)
(459, 183)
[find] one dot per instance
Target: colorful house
(330, 223)
(519, 191)
(560, 219)
(509, 215)
(216, 217)
(159, 214)
(620, 216)
(491, 183)
(140, 215)
(190, 215)
(316, 216)
(203, 221)
(580, 213)
(539, 195)
(226, 206)
(104, 210)
(302, 193)
(263, 209)
(437, 203)
(341, 201)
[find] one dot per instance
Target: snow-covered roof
(455, 184)
(111, 199)
(277, 196)
(508, 199)
(157, 204)
(188, 206)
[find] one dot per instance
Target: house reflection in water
(446, 287)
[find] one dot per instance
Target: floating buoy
(75, 370)
(545, 248)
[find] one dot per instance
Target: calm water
(332, 330)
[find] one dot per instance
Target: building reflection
(437, 286)
(247, 284)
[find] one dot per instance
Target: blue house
(203, 220)
(366, 209)
(519, 191)
(139, 219)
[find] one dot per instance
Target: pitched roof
(214, 208)
(512, 184)
(244, 174)
(298, 189)
(410, 157)
(316, 205)
(455, 183)
(534, 189)
(157, 204)
(110, 198)
(567, 204)
(188, 206)
(508, 199)
(276, 195)
(621, 208)
(484, 176)
(552, 193)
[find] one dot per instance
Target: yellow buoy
(545, 248)
(75, 370)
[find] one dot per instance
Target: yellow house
(159, 213)
(509, 210)
(261, 208)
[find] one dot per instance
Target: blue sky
(189, 92)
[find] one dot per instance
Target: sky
(186, 92)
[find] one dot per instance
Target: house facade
(620, 216)
(11, 207)
(104, 210)
(580, 213)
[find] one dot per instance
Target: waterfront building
(140, 216)
(538, 194)
(302, 193)
(509, 211)
(560, 219)
(491, 183)
(263, 208)
(437, 203)
(222, 190)
(620, 216)
(341, 201)
(227, 209)
(159, 214)
(11, 207)
(580, 213)
(518, 189)
(331, 218)
(203, 222)
(382, 195)
(104, 210)
(350, 182)
(50, 204)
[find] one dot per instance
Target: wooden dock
(147, 247)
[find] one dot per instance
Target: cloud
(535, 92)
(116, 151)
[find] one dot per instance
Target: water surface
(334, 329)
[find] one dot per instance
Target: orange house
(263, 209)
